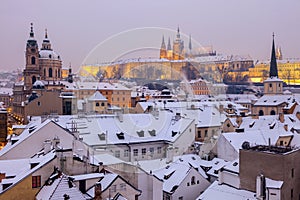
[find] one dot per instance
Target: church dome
(48, 54)
(38, 85)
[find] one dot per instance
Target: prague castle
(173, 63)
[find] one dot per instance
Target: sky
(76, 27)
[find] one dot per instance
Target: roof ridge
(53, 192)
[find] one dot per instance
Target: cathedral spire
(169, 44)
(178, 33)
(163, 45)
(273, 64)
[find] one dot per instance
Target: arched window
(33, 79)
(50, 72)
(261, 113)
(272, 112)
(33, 60)
(97, 104)
(193, 182)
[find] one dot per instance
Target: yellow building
(288, 71)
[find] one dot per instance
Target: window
(126, 153)
(102, 104)
(199, 134)
(292, 172)
(143, 151)
(135, 152)
(38, 103)
(33, 60)
(270, 85)
(261, 113)
(113, 188)
(152, 150)
(50, 72)
(36, 181)
(123, 186)
(97, 104)
(159, 150)
(193, 180)
(272, 112)
(180, 198)
(117, 153)
(205, 133)
(33, 79)
(188, 184)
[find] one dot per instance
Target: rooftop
(272, 149)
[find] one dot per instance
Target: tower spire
(46, 34)
(273, 64)
(178, 32)
(169, 44)
(163, 45)
(31, 30)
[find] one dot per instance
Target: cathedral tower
(31, 72)
(178, 47)
(163, 50)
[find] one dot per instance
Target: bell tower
(273, 85)
(31, 71)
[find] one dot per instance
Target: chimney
(281, 117)
(285, 127)
(239, 120)
(170, 152)
(47, 146)
(221, 108)
(98, 191)
(298, 115)
(261, 187)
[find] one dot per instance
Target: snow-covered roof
(273, 79)
(275, 100)
(205, 114)
(60, 187)
(48, 54)
(225, 192)
(18, 169)
(8, 91)
(97, 96)
(105, 182)
(172, 175)
(233, 166)
(87, 176)
(217, 164)
(127, 128)
(270, 183)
